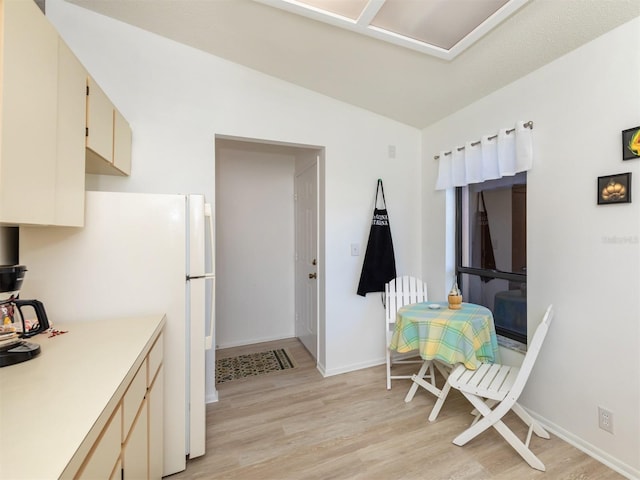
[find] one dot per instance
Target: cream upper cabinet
(29, 104)
(72, 102)
(44, 148)
(99, 122)
(39, 181)
(108, 135)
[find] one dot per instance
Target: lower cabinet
(130, 445)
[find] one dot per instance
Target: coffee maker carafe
(15, 325)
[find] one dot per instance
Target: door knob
(313, 275)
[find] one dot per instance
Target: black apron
(379, 261)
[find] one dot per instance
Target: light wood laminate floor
(295, 424)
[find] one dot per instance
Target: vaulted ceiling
(408, 85)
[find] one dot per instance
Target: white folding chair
(399, 292)
(501, 386)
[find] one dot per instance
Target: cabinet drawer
(135, 456)
(117, 472)
(106, 451)
(155, 359)
(133, 398)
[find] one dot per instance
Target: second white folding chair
(501, 386)
(399, 292)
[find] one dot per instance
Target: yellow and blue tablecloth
(465, 336)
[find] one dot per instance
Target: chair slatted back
(532, 354)
(403, 291)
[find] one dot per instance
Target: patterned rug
(232, 368)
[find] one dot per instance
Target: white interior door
(306, 211)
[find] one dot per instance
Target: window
(491, 250)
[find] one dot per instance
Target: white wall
(582, 257)
(254, 244)
(178, 98)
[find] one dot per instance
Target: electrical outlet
(605, 419)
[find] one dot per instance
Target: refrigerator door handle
(208, 340)
(196, 277)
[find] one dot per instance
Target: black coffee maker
(15, 323)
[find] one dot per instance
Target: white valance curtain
(496, 156)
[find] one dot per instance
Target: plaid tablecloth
(463, 336)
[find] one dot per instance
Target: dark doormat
(252, 364)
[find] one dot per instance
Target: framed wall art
(614, 189)
(631, 143)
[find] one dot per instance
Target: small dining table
(447, 336)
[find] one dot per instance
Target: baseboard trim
(353, 367)
(253, 341)
(211, 398)
(603, 457)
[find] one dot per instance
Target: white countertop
(50, 404)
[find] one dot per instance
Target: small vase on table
(455, 297)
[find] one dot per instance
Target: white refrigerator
(139, 254)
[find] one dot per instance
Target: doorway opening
(263, 293)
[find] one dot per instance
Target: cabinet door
(72, 98)
(108, 142)
(135, 454)
(121, 143)
(156, 439)
(99, 122)
(29, 114)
